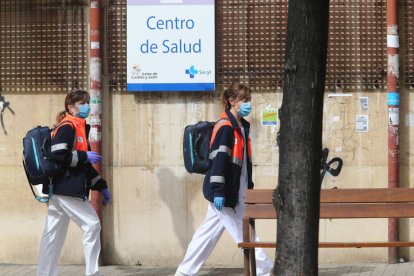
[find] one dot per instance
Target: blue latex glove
(219, 202)
(93, 157)
(106, 196)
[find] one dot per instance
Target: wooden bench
(335, 204)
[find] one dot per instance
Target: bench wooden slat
(368, 210)
(333, 244)
(372, 195)
(335, 204)
(341, 210)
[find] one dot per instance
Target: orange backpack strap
(60, 124)
(64, 123)
(217, 126)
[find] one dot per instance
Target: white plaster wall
(157, 205)
(22, 217)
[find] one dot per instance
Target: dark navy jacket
(77, 176)
(225, 164)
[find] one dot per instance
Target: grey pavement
(366, 269)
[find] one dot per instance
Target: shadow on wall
(177, 196)
(109, 251)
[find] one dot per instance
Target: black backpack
(40, 168)
(196, 146)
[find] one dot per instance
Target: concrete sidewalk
(368, 269)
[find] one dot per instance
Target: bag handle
(50, 185)
(40, 198)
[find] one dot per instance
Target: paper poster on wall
(393, 116)
(170, 45)
(269, 117)
(409, 120)
(364, 103)
(362, 123)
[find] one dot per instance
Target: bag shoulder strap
(50, 185)
(62, 123)
(221, 122)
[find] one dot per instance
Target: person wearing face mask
(71, 187)
(225, 184)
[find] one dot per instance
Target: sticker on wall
(336, 118)
(94, 45)
(269, 117)
(362, 122)
(393, 41)
(393, 116)
(95, 135)
(409, 120)
(364, 103)
(95, 122)
(393, 98)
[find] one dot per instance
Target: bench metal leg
(253, 261)
(252, 237)
(246, 253)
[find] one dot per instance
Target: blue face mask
(245, 109)
(84, 110)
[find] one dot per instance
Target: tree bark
(297, 196)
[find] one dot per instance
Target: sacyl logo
(192, 71)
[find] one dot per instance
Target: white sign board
(170, 45)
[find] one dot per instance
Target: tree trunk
(297, 196)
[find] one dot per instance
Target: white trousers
(61, 210)
(209, 232)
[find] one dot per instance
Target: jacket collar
(78, 121)
(233, 121)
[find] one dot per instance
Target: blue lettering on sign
(148, 47)
(169, 24)
(180, 46)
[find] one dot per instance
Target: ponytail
(60, 116)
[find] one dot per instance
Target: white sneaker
(179, 273)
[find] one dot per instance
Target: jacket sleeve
(97, 183)
(62, 148)
(220, 154)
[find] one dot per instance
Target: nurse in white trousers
(225, 184)
(71, 187)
